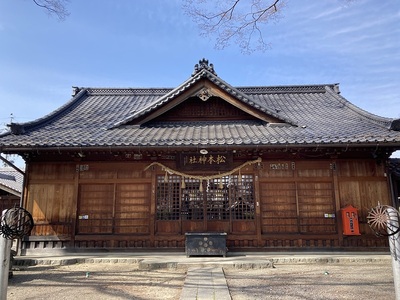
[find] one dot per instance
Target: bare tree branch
(54, 7)
(239, 21)
(236, 20)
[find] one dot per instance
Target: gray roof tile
(98, 117)
(11, 181)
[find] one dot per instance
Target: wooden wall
(363, 184)
(296, 199)
(50, 197)
(112, 205)
(8, 201)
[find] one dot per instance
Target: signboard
(212, 161)
(282, 166)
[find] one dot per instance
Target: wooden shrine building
(10, 188)
(273, 167)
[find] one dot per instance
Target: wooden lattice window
(168, 197)
(193, 200)
(229, 197)
(242, 197)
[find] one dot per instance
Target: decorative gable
(203, 97)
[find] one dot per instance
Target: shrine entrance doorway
(223, 204)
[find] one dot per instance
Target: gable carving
(204, 94)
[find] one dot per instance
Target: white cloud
(330, 14)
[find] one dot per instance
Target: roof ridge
(7, 177)
(127, 91)
(243, 89)
(309, 88)
(203, 65)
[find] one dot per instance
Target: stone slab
(205, 284)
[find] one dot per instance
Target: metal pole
(5, 251)
(394, 241)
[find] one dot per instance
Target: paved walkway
(205, 284)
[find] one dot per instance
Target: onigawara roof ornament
(203, 64)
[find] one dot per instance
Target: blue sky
(152, 43)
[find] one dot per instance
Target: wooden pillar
(258, 207)
(5, 250)
(74, 214)
(394, 242)
(153, 206)
(336, 192)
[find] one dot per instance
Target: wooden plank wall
(114, 209)
(363, 184)
(296, 199)
(50, 199)
(301, 202)
(95, 199)
(111, 205)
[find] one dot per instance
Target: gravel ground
(298, 281)
(126, 281)
(95, 281)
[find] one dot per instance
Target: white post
(394, 241)
(5, 251)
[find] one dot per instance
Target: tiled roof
(99, 117)
(11, 181)
(394, 166)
